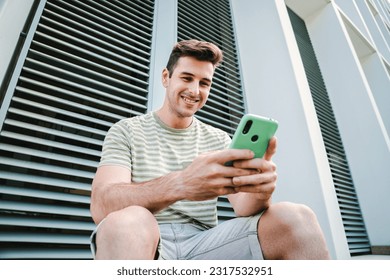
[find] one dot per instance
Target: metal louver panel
(212, 21)
(87, 67)
(348, 202)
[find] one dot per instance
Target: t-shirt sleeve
(116, 147)
(228, 140)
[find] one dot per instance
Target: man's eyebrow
(190, 74)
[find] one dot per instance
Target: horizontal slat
(51, 144)
(43, 194)
(44, 238)
(46, 223)
(358, 240)
(38, 252)
(226, 214)
(44, 208)
(48, 155)
(55, 132)
(46, 167)
(48, 119)
(223, 204)
(358, 234)
(359, 245)
(349, 203)
(351, 214)
(361, 251)
(44, 181)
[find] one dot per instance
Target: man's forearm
(153, 195)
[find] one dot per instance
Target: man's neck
(173, 121)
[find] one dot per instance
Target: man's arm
(112, 190)
(205, 178)
(254, 192)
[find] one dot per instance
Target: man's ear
(165, 77)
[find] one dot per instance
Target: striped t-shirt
(150, 149)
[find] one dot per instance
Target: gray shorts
(235, 239)
(230, 240)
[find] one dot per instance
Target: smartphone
(253, 133)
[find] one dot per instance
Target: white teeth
(189, 100)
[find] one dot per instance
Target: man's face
(189, 86)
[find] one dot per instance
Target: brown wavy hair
(200, 50)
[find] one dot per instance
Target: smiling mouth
(188, 100)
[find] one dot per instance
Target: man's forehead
(192, 66)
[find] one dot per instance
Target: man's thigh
(230, 240)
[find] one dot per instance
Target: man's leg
(130, 233)
(291, 231)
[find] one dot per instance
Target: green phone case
(253, 133)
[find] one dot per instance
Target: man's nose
(194, 88)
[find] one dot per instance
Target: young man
(154, 193)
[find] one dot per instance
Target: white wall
(275, 86)
(378, 37)
(13, 14)
(359, 120)
(350, 8)
(379, 81)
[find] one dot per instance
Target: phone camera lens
(247, 127)
(254, 138)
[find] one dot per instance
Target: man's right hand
(208, 177)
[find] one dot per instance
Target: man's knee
(129, 222)
(290, 216)
(287, 230)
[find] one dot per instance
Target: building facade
(70, 69)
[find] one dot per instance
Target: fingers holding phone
(256, 133)
(271, 149)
